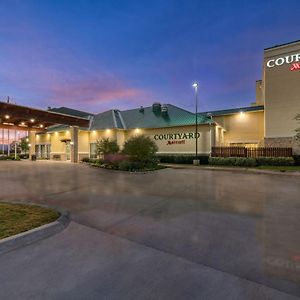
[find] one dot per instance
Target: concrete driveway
(171, 234)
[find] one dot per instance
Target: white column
(8, 144)
(15, 144)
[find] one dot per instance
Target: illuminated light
(41, 126)
(7, 117)
(241, 113)
(137, 130)
(29, 145)
(195, 85)
(108, 130)
(32, 120)
(94, 131)
(22, 123)
(68, 131)
(71, 143)
(27, 140)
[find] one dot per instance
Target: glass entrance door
(68, 150)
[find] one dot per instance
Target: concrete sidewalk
(232, 169)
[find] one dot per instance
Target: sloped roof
(233, 110)
(105, 120)
(71, 112)
(146, 118)
(135, 118)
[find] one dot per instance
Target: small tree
(24, 145)
(107, 146)
(140, 148)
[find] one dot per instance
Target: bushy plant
(297, 160)
(85, 159)
(107, 146)
(251, 162)
(275, 161)
(93, 161)
(233, 161)
(140, 149)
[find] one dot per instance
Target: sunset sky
(98, 55)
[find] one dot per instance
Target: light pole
(195, 86)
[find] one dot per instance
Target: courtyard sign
(176, 138)
(294, 58)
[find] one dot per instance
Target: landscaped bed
(17, 218)
(124, 165)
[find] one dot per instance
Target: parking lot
(168, 234)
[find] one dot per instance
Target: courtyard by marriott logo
(293, 59)
(295, 67)
(176, 138)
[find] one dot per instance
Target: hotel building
(269, 121)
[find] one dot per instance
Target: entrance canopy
(18, 117)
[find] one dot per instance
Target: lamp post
(195, 86)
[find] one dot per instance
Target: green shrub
(140, 149)
(107, 146)
(251, 162)
(275, 161)
(181, 159)
(297, 160)
(93, 161)
(10, 157)
(233, 161)
(86, 159)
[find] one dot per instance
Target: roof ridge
(114, 118)
(121, 119)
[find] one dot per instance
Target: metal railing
(251, 152)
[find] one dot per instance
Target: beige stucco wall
(282, 93)
(96, 135)
(204, 143)
(83, 142)
(247, 127)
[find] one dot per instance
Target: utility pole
(195, 86)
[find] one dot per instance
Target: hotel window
(93, 150)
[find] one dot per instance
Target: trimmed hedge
(275, 161)
(233, 161)
(251, 162)
(297, 160)
(181, 159)
(11, 157)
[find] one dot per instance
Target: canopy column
(74, 144)
(31, 143)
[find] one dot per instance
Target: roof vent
(141, 109)
(164, 109)
(156, 107)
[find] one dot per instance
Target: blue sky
(98, 55)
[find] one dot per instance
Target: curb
(35, 234)
(121, 171)
(236, 170)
